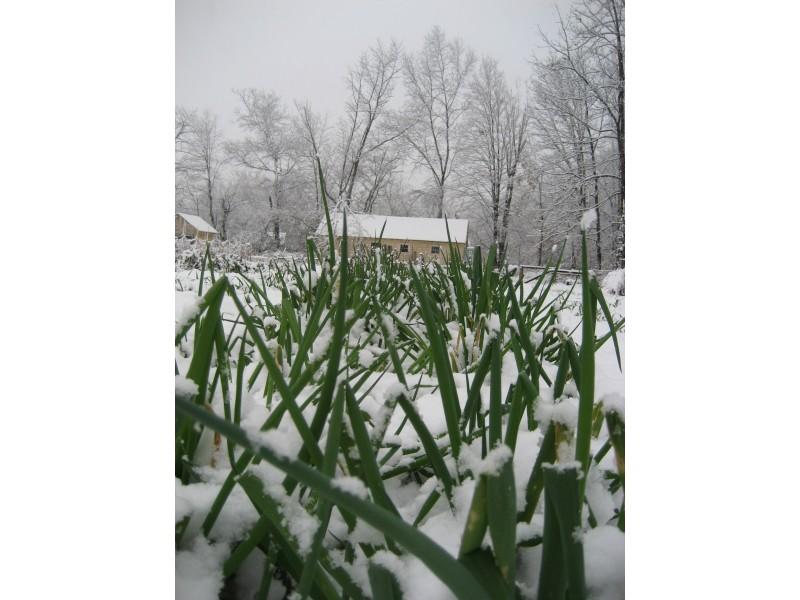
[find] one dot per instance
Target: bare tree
(371, 85)
(398, 199)
(268, 146)
(497, 136)
(202, 159)
(591, 47)
(183, 121)
(569, 127)
(602, 26)
(515, 136)
(378, 169)
(435, 80)
(183, 126)
(312, 131)
(228, 202)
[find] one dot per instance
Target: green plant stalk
(495, 415)
(240, 365)
(334, 356)
(586, 383)
(477, 520)
(266, 577)
(383, 583)
(430, 502)
(447, 387)
(502, 512)
(515, 413)
(483, 305)
(210, 297)
(243, 550)
(562, 492)
(473, 397)
(598, 294)
(324, 194)
(547, 450)
(434, 455)
(616, 434)
(329, 470)
(287, 397)
(552, 581)
(481, 563)
(187, 438)
(288, 558)
(369, 466)
(436, 558)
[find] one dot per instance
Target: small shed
(192, 226)
(410, 238)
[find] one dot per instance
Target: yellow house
(409, 238)
(192, 226)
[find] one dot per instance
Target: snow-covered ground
(198, 565)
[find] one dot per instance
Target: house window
(403, 247)
(435, 250)
(376, 244)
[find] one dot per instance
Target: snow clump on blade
(528, 531)
(188, 311)
(271, 440)
(537, 337)
(564, 412)
(391, 563)
(490, 465)
(185, 388)
(394, 391)
(301, 525)
(565, 466)
(492, 326)
(391, 330)
(271, 323)
(365, 358)
(614, 402)
(588, 219)
(351, 485)
(381, 417)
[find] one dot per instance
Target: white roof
(198, 223)
(399, 228)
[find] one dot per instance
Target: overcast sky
(301, 49)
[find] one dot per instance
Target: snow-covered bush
(226, 256)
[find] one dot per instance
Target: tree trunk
(276, 227)
(317, 188)
(541, 225)
(210, 202)
(620, 237)
(506, 211)
(617, 18)
(495, 218)
(596, 194)
(621, 206)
